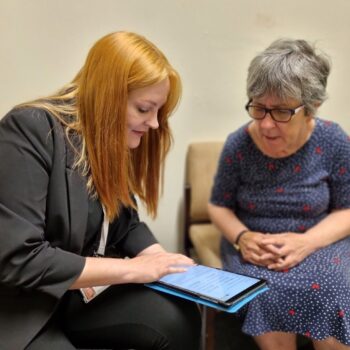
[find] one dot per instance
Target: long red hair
(97, 97)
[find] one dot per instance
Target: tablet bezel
(226, 303)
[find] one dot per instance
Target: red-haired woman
(71, 164)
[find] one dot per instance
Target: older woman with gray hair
(281, 198)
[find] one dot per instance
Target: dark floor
(229, 337)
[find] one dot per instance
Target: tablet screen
(215, 284)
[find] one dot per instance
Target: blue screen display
(210, 282)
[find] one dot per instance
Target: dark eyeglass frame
(293, 112)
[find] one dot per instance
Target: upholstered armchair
(201, 238)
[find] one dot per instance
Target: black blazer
(43, 217)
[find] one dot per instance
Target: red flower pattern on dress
(251, 206)
(341, 313)
(301, 228)
(227, 195)
(291, 312)
(327, 123)
(307, 334)
(297, 168)
(239, 155)
(228, 160)
(279, 190)
(285, 270)
(306, 207)
(271, 166)
(336, 260)
(342, 170)
(318, 150)
(315, 286)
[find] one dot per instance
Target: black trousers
(122, 317)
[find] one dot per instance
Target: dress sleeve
(226, 180)
(339, 179)
(27, 259)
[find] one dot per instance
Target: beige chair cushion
(202, 161)
(206, 242)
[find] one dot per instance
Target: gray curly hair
(290, 69)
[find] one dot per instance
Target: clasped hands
(279, 251)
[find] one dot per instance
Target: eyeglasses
(279, 115)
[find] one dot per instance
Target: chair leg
(204, 326)
(208, 328)
(210, 344)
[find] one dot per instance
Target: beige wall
(210, 42)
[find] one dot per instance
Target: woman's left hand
(291, 248)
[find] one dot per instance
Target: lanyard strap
(104, 234)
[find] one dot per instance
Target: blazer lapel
(77, 197)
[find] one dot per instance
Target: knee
(181, 324)
(276, 341)
(329, 343)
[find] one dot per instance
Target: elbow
(211, 210)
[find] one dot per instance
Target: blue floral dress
(291, 194)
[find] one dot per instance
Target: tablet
(212, 284)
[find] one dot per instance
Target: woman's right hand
(144, 268)
(151, 267)
(254, 251)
